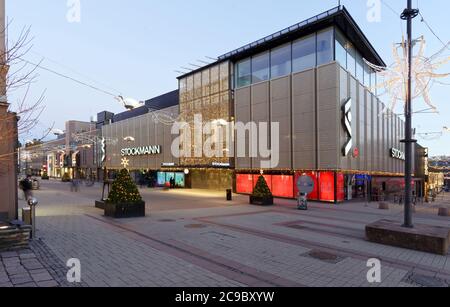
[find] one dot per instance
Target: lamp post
(409, 14)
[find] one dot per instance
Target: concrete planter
(444, 212)
(383, 206)
(261, 201)
(125, 210)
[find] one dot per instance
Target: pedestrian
(27, 187)
(75, 185)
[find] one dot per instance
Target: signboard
(397, 154)
(305, 184)
(141, 151)
(347, 121)
(218, 164)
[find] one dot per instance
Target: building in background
(72, 153)
(439, 168)
(8, 137)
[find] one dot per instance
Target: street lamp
(409, 14)
(129, 103)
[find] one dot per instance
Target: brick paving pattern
(197, 239)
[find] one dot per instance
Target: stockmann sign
(141, 151)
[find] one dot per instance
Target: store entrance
(358, 187)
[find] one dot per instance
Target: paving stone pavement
(197, 239)
(26, 268)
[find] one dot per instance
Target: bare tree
(18, 74)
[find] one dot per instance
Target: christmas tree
(261, 189)
(124, 190)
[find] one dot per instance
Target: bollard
(33, 202)
(229, 195)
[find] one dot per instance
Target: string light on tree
(424, 73)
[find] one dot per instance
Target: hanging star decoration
(125, 163)
(424, 75)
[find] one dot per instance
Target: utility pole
(409, 14)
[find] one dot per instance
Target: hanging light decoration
(424, 74)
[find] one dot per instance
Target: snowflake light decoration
(395, 77)
(125, 163)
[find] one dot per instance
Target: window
(359, 67)
(281, 61)
(260, 68)
(351, 59)
(304, 53)
(206, 82)
(214, 80)
(224, 76)
(198, 85)
(341, 51)
(243, 73)
(367, 76)
(325, 47)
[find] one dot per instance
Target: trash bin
(26, 216)
(229, 195)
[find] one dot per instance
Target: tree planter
(125, 210)
(261, 201)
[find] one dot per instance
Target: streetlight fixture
(409, 14)
(129, 103)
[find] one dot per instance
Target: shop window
(170, 176)
(243, 73)
(304, 53)
(280, 59)
(180, 180)
(161, 178)
(244, 184)
(325, 48)
(326, 181)
(340, 187)
(283, 186)
(260, 68)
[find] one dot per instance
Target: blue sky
(133, 47)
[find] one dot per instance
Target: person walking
(27, 187)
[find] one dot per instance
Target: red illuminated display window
(326, 181)
(340, 187)
(244, 184)
(283, 186)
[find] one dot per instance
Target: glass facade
(302, 54)
(280, 59)
(260, 67)
(350, 59)
(307, 52)
(325, 46)
(244, 73)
